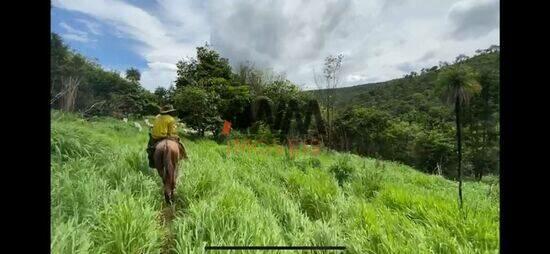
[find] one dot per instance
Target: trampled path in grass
(106, 200)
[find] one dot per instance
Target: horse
(167, 154)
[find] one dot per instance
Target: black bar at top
(275, 248)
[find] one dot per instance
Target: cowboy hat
(167, 109)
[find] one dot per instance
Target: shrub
(368, 184)
(342, 170)
(262, 132)
(310, 162)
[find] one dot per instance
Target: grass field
(105, 199)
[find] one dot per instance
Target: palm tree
(133, 75)
(457, 84)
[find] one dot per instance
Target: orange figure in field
(226, 128)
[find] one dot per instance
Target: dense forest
(403, 120)
(81, 85)
(406, 119)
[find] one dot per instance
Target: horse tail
(166, 161)
(169, 167)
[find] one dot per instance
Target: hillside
(104, 198)
(381, 94)
(406, 120)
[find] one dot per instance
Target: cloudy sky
(380, 40)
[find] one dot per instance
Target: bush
(368, 184)
(309, 162)
(432, 148)
(342, 170)
(262, 132)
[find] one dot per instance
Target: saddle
(153, 144)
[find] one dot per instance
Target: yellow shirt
(164, 126)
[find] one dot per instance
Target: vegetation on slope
(405, 120)
(106, 200)
(401, 120)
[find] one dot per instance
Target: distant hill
(412, 90)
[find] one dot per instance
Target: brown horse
(167, 154)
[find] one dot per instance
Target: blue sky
(380, 39)
(111, 51)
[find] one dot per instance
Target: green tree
(198, 108)
(330, 81)
(457, 84)
(482, 120)
(257, 79)
(362, 129)
(208, 64)
(81, 84)
(170, 94)
(161, 95)
(282, 91)
(133, 75)
(398, 139)
(74, 73)
(432, 150)
(59, 53)
(233, 105)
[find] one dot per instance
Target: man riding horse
(164, 127)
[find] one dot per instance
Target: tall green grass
(105, 199)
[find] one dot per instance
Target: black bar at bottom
(275, 248)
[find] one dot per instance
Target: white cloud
(72, 30)
(75, 37)
(355, 78)
(93, 27)
(153, 78)
(74, 34)
(381, 40)
(473, 18)
(161, 44)
(158, 74)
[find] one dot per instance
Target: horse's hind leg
(173, 178)
(167, 188)
(167, 198)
